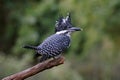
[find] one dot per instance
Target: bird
(54, 45)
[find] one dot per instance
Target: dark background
(94, 53)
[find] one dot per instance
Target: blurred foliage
(94, 53)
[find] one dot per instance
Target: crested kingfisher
(55, 44)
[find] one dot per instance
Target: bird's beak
(76, 29)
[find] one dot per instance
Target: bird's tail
(30, 47)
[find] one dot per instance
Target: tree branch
(35, 69)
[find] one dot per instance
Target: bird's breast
(55, 44)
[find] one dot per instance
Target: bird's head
(64, 26)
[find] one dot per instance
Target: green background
(94, 53)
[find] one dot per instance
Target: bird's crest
(63, 23)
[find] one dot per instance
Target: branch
(35, 69)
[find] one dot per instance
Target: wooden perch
(35, 69)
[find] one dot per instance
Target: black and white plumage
(55, 44)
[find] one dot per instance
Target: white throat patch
(60, 32)
(64, 31)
